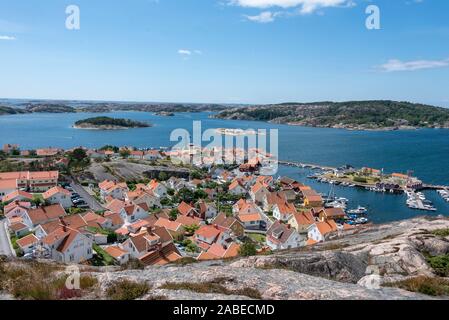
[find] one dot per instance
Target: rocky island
(352, 115)
(165, 114)
(107, 123)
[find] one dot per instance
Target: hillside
(401, 260)
(107, 123)
(8, 110)
(355, 115)
(49, 108)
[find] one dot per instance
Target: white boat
(359, 210)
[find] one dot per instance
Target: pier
(425, 186)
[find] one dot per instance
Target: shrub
(126, 290)
(441, 232)
(248, 248)
(440, 264)
(425, 285)
(360, 179)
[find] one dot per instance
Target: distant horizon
(442, 104)
(245, 52)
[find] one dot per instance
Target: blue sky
(227, 51)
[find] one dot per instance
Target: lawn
(257, 237)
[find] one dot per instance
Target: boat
(359, 210)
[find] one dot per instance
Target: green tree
(125, 153)
(247, 249)
(173, 214)
(162, 176)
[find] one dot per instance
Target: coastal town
(195, 213)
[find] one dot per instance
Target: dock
(329, 168)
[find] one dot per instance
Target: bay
(424, 151)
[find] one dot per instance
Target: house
(245, 207)
(132, 212)
(258, 192)
(67, 245)
(283, 211)
(8, 148)
(206, 235)
(152, 155)
(282, 236)
(252, 221)
(47, 152)
(18, 227)
(39, 181)
(136, 155)
(229, 223)
(7, 186)
(320, 231)
(167, 253)
(147, 241)
(266, 181)
(97, 221)
(115, 218)
(211, 193)
(75, 221)
(28, 243)
(17, 195)
(207, 210)
(113, 189)
(331, 214)
(236, 188)
(58, 195)
(187, 210)
(140, 196)
(174, 228)
(271, 199)
(116, 205)
(187, 221)
(312, 199)
(217, 251)
(302, 221)
(44, 214)
(16, 209)
(120, 256)
(157, 188)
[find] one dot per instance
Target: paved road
(5, 248)
(91, 201)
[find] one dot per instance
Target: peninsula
(107, 123)
(352, 115)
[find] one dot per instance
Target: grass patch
(215, 286)
(102, 258)
(185, 261)
(440, 264)
(441, 232)
(38, 281)
(257, 237)
(127, 290)
(425, 285)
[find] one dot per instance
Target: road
(91, 201)
(5, 248)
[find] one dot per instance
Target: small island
(107, 123)
(165, 114)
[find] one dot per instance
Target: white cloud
(263, 17)
(398, 65)
(7, 38)
(306, 6)
(185, 52)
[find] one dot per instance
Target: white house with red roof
(320, 231)
(58, 195)
(17, 195)
(67, 245)
(258, 192)
(113, 189)
(283, 211)
(28, 243)
(282, 236)
(133, 212)
(236, 188)
(157, 188)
